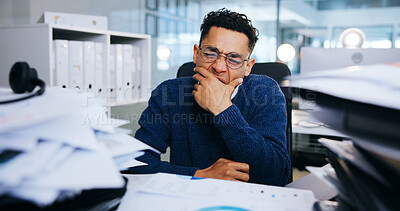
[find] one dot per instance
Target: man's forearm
(263, 149)
(155, 165)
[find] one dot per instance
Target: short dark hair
(229, 20)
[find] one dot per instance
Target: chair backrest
(186, 70)
(275, 70)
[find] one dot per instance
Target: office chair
(276, 71)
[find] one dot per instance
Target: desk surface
(303, 124)
(177, 192)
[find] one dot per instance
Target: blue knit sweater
(252, 130)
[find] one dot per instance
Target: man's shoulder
(171, 89)
(175, 83)
(257, 80)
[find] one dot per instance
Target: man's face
(225, 41)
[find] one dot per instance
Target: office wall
(126, 16)
(263, 16)
(367, 16)
(177, 29)
(14, 12)
(123, 15)
(129, 112)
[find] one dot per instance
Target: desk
(176, 192)
(303, 124)
(306, 150)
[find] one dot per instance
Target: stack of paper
(373, 84)
(123, 148)
(364, 180)
(362, 102)
(49, 148)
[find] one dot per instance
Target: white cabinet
(34, 44)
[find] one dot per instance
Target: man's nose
(220, 64)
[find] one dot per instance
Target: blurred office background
(174, 26)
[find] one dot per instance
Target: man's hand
(210, 93)
(227, 170)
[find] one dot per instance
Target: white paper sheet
(226, 193)
(322, 189)
(124, 162)
(83, 170)
(38, 109)
(146, 201)
(373, 84)
(7, 94)
(18, 142)
(28, 164)
(68, 130)
(38, 196)
(378, 148)
(346, 150)
(61, 152)
(121, 144)
(322, 173)
(108, 125)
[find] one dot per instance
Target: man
(223, 123)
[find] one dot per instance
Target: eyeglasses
(210, 54)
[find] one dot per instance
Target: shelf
(33, 43)
(141, 100)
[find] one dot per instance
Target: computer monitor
(319, 59)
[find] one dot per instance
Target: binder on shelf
(136, 73)
(128, 65)
(60, 49)
(111, 79)
(119, 72)
(99, 69)
(69, 70)
(88, 66)
(75, 58)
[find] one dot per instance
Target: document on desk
(68, 130)
(38, 109)
(177, 192)
(121, 144)
(346, 151)
(317, 182)
(18, 142)
(49, 148)
(22, 167)
(77, 172)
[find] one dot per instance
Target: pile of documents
(54, 146)
(362, 102)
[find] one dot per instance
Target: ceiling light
(163, 53)
(286, 52)
(352, 38)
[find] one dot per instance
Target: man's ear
(248, 67)
(196, 51)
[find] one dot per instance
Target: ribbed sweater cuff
(229, 120)
(189, 171)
